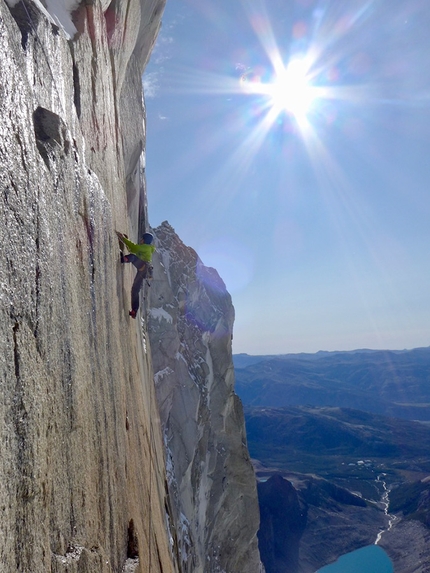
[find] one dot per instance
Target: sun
(289, 89)
(292, 91)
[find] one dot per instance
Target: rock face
(407, 544)
(211, 480)
(83, 484)
(310, 523)
(81, 465)
(283, 520)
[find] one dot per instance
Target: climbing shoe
(133, 313)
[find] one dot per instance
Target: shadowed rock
(211, 480)
(283, 520)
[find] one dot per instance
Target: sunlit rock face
(211, 480)
(81, 463)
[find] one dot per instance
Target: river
(370, 559)
(385, 502)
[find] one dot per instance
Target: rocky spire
(211, 480)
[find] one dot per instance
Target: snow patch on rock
(160, 314)
(158, 376)
(61, 11)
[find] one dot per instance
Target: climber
(140, 257)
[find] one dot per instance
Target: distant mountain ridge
(392, 383)
(242, 360)
(329, 442)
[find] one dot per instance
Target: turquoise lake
(370, 559)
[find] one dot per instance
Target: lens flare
(292, 90)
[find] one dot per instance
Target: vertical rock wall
(211, 480)
(82, 477)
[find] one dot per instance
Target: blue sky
(288, 143)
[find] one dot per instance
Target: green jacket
(144, 252)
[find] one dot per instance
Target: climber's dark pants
(135, 289)
(134, 260)
(142, 272)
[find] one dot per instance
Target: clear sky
(288, 143)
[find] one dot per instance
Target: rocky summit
(82, 464)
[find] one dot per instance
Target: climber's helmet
(147, 238)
